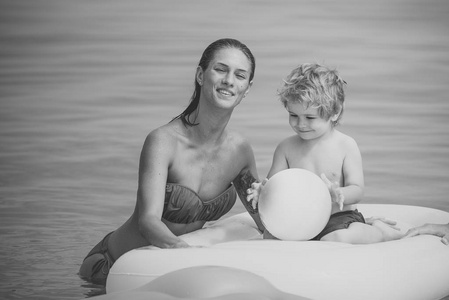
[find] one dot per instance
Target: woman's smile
(225, 92)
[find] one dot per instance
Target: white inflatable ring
(206, 282)
(413, 268)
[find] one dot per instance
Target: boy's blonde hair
(315, 86)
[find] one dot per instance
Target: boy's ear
(335, 117)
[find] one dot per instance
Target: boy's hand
(254, 192)
(335, 191)
(391, 223)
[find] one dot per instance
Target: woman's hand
(180, 244)
(335, 191)
(253, 193)
(268, 236)
(441, 230)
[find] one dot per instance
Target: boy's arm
(279, 164)
(353, 174)
(279, 160)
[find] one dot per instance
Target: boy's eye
(241, 76)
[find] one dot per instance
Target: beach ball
(295, 205)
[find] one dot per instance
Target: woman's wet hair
(206, 58)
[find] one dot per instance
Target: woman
(440, 230)
(191, 168)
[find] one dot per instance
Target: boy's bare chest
(327, 161)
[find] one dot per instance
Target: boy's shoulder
(342, 137)
(339, 138)
(291, 140)
(345, 142)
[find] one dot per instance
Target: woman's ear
(199, 75)
(248, 88)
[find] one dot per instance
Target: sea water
(83, 82)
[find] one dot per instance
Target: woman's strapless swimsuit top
(182, 205)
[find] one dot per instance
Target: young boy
(313, 96)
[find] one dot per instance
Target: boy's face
(307, 122)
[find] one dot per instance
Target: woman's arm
(153, 172)
(243, 182)
(441, 230)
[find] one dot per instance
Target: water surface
(83, 82)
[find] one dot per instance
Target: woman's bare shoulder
(236, 139)
(238, 146)
(163, 138)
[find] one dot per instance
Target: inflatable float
(233, 262)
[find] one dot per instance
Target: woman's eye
(241, 76)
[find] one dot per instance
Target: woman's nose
(228, 79)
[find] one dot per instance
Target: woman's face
(225, 82)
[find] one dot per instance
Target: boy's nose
(301, 123)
